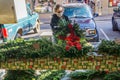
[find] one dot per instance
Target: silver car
(81, 13)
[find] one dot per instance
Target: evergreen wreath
(70, 33)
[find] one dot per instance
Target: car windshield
(78, 12)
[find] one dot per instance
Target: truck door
(26, 27)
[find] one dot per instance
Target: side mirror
(115, 9)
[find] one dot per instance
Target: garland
(58, 74)
(20, 49)
(20, 75)
(95, 75)
(51, 75)
(109, 48)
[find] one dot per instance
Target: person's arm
(66, 18)
(54, 22)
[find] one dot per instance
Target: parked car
(116, 19)
(26, 20)
(41, 8)
(81, 13)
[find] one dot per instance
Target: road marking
(104, 34)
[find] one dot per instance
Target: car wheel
(19, 34)
(97, 40)
(114, 25)
(37, 27)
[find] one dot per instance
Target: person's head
(58, 10)
(118, 5)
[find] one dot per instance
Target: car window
(82, 11)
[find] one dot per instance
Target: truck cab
(18, 20)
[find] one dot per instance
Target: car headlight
(90, 32)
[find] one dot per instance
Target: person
(57, 15)
(117, 10)
(92, 5)
(118, 7)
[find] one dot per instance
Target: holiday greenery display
(31, 75)
(20, 75)
(43, 54)
(109, 48)
(69, 33)
(94, 75)
(102, 63)
(59, 74)
(87, 75)
(51, 75)
(20, 49)
(113, 76)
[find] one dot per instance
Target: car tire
(97, 40)
(37, 27)
(18, 35)
(114, 25)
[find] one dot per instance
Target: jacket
(54, 21)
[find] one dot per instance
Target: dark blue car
(81, 13)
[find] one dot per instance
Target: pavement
(45, 18)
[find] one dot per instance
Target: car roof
(74, 5)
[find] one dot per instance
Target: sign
(113, 3)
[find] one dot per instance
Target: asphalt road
(105, 30)
(104, 26)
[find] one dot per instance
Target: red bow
(72, 39)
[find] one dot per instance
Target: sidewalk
(45, 18)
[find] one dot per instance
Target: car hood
(84, 22)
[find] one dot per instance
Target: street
(105, 30)
(103, 23)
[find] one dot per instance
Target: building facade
(104, 7)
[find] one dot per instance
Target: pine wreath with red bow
(70, 33)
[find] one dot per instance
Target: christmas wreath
(70, 33)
